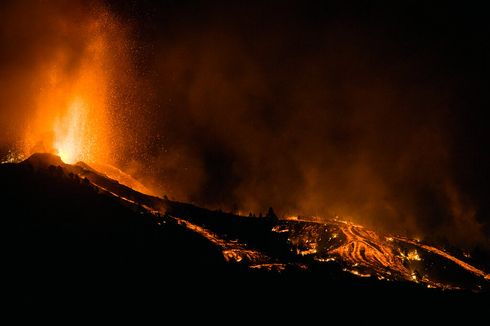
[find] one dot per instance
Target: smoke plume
(314, 110)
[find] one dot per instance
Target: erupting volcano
(74, 113)
(72, 118)
(70, 133)
(309, 246)
(242, 147)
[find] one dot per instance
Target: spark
(413, 255)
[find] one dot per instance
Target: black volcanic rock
(43, 161)
(76, 235)
(66, 237)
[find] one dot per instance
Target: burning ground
(74, 219)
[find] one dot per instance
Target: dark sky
(374, 110)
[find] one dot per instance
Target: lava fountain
(79, 103)
(72, 116)
(70, 132)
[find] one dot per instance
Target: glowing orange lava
(72, 117)
(364, 253)
(70, 139)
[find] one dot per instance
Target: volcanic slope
(75, 233)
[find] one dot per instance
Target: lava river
(365, 253)
(278, 245)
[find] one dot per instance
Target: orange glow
(457, 261)
(77, 104)
(364, 247)
(70, 139)
(365, 253)
(72, 118)
(232, 251)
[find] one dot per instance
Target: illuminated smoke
(249, 109)
(257, 108)
(69, 69)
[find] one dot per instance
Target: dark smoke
(371, 111)
(331, 110)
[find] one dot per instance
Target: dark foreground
(72, 243)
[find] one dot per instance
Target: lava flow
(365, 253)
(291, 244)
(71, 133)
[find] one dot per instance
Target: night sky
(374, 110)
